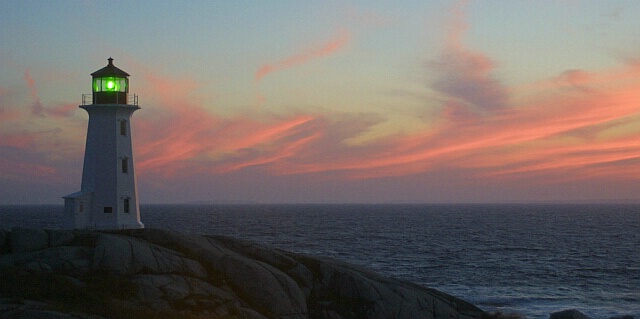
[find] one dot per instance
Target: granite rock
(264, 287)
(29, 309)
(3, 241)
(159, 272)
(26, 240)
(568, 314)
(60, 238)
(126, 255)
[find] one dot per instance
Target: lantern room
(110, 85)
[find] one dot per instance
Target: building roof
(109, 70)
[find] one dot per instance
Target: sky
(331, 101)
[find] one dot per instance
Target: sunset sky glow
(331, 101)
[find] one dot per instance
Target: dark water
(531, 259)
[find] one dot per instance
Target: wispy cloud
(36, 105)
(465, 76)
(572, 125)
(17, 170)
(577, 124)
(32, 140)
(337, 42)
(180, 136)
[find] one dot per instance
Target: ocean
(532, 259)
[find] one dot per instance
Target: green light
(110, 84)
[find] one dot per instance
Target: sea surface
(530, 259)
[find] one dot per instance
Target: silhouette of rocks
(568, 314)
(152, 273)
(26, 240)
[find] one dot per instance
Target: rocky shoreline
(154, 273)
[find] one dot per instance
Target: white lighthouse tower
(108, 197)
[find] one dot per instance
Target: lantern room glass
(110, 84)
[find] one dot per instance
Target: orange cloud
(274, 146)
(200, 142)
(560, 132)
(178, 136)
(571, 123)
(489, 134)
(577, 125)
(564, 130)
(337, 42)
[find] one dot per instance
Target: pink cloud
(178, 136)
(32, 139)
(36, 106)
(194, 141)
(7, 114)
(273, 145)
(181, 140)
(538, 135)
(62, 110)
(511, 139)
(572, 126)
(19, 169)
(23, 140)
(338, 42)
(574, 77)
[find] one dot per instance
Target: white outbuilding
(108, 196)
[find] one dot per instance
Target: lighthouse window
(123, 128)
(125, 165)
(125, 202)
(108, 210)
(110, 84)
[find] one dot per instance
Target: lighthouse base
(80, 212)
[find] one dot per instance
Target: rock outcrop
(568, 314)
(152, 273)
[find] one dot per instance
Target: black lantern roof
(109, 70)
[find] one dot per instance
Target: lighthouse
(108, 196)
